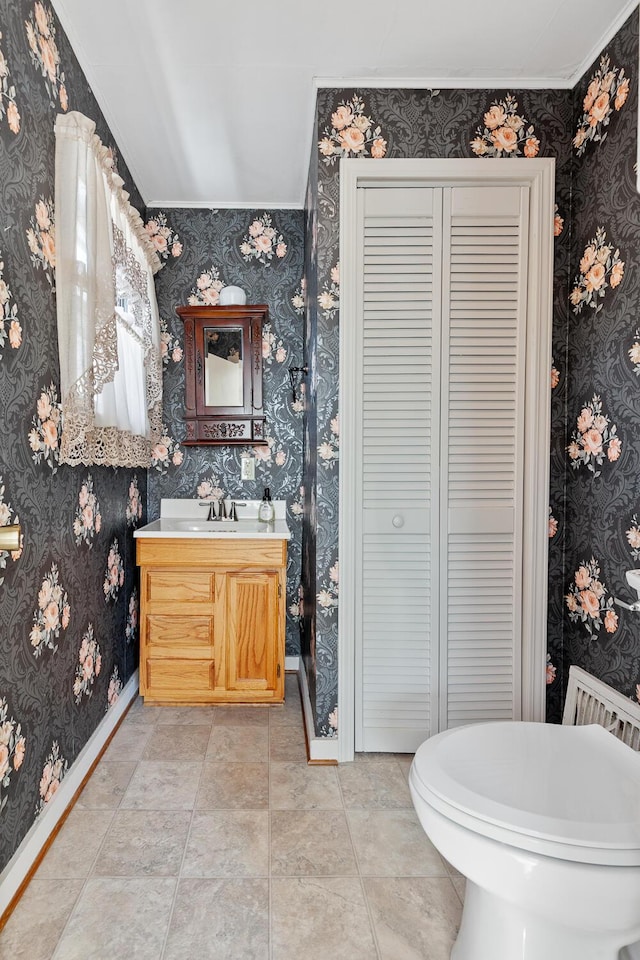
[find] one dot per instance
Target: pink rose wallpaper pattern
(163, 237)
(8, 107)
(505, 132)
(87, 522)
(10, 328)
(52, 588)
(351, 133)
(600, 268)
(607, 91)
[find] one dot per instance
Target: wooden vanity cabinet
(212, 620)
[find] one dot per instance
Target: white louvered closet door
(482, 462)
(400, 295)
(443, 286)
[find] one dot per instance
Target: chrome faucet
(222, 509)
(212, 508)
(233, 515)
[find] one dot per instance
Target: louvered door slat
(399, 300)
(481, 474)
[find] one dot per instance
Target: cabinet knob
(398, 521)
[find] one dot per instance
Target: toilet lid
(569, 792)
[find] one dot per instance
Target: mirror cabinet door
(223, 370)
(226, 370)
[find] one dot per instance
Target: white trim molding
(223, 205)
(444, 83)
(538, 176)
(23, 860)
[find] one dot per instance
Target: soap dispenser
(266, 512)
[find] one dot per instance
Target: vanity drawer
(180, 678)
(180, 586)
(176, 636)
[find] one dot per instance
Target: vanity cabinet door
(254, 630)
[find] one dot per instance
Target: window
(108, 325)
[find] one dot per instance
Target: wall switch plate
(248, 468)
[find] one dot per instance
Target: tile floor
(204, 834)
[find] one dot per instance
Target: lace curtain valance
(108, 325)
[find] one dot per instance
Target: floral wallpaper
(262, 252)
(595, 477)
(64, 651)
(603, 402)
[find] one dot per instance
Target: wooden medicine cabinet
(223, 374)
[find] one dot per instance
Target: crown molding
(443, 83)
(222, 205)
(607, 37)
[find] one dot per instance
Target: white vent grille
(590, 700)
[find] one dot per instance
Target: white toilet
(544, 821)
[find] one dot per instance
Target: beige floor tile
(297, 786)
(287, 714)
(373, 757)
(392, 843)
(200, 716)
(405, 766)
(287, 743)
(414, 917)
(106, 786)
(162, 786)
(186, 741)
(233, 715)
(128, 743)
(313, 843)
(451, 870)
(239, 744)
(460, 884)
(140, 713)
(228, 843)
(75, 848)
(317, 918)
(118, 918)
(33, 929)
(220, 920)
(234, 786)
(375, 785)
(142, 843)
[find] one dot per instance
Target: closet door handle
(398, 521)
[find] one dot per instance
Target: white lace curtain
(108, 325)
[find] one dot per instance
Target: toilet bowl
(544, 821)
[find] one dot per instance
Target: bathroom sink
(187, 518)
(207, 526)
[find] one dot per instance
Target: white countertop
(188, 519)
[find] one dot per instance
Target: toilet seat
(567, 792)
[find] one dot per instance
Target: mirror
(223, 381)
(223, 367)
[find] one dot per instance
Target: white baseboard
(292, 664)
(320, 748)
(18, 868)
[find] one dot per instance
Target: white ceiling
(211, 101)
